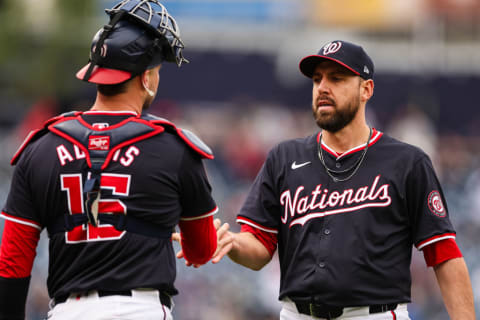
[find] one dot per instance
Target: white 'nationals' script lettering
(328, 203)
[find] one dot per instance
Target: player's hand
(224, 240)
(176, 237)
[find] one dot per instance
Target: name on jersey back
(125, 159)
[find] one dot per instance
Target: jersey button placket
(321, 264)
(326, 231)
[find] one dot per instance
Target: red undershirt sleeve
(199, 239)
(18, 250)
(17, 253)
(441, 251)
(268, 239)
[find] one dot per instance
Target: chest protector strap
(99, 146)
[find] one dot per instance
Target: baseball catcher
(109, 185)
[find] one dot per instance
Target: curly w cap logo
(103, 50)
(435, 204)
(332, 47)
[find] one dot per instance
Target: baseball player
(110, 185)
(344, 206)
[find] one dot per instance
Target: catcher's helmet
(141, 34)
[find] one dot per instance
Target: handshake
(243, 248)
(223, 245)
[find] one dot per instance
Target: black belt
(164, 298)
(331, 312)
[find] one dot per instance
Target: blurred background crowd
(242, 93)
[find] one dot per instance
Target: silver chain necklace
(354, 167)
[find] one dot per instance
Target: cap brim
(309, 63)
(103, 75)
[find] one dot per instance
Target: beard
(339, 119)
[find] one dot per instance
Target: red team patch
(98, 143)
(435, 204)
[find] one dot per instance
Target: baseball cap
(347, 54)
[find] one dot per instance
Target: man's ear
(366, 89)
(145, 80)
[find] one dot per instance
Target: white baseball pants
(142, 305)
(289, 312)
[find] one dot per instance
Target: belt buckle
(322, 311)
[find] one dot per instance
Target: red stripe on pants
(394, 315)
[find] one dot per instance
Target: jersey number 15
(119, 184)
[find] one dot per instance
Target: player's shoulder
(36, 145)
(182, 138)
(293, 147)
(295, 143)
(39, 138)
(162, 133)
(400, 148)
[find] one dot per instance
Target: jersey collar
(376, 135)
(115, 113)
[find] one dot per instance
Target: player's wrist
(233, 241)
(236, 246)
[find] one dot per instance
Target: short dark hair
(111, 90)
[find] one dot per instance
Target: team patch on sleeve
(435, 204)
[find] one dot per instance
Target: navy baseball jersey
(158, 180)
(348, 243)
